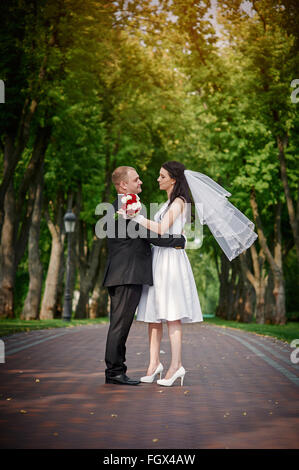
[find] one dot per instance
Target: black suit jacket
(129, 259)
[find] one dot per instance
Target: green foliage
(291, 273)
(139, 84)
(11, 326)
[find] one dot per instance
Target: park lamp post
(69, 223)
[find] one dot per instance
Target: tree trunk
(8, 256)
(279, 293)
(8, 152)
(279, 284)
(270, 301)
(260, 302)
(275, 262)
(222, 307)
(32, 301)
(99, 299)
(235, 297)
(60, 285)
(247, 309)
(88, 272)
(49, 302)
(258, 280)
(244, 300)
(293, 217)
(17, 217)
(29, 182)
(95, 300)
(232, 292)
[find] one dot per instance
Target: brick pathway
(240, 391)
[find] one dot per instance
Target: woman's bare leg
(155, 333)
(175, 336)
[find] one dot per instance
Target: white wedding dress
(173, 295)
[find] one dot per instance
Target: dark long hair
(181, 188)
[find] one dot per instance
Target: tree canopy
(92, 85)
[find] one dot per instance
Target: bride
(173, 296)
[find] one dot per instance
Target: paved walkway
(240, 391)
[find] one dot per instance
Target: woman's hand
(137, 218)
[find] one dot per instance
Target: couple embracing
(153, 272)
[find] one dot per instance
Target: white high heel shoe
(150, 378)
(180, 373)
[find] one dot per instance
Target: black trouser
(124, 301)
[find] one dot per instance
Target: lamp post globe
(69, 221)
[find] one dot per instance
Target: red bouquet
(131, 205)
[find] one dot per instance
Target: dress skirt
(173, 295)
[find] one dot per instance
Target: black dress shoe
(121, 379)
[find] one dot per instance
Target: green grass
(285, 333)
(8, 327)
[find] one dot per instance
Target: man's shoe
(121, 379)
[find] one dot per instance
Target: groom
(129, 266)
